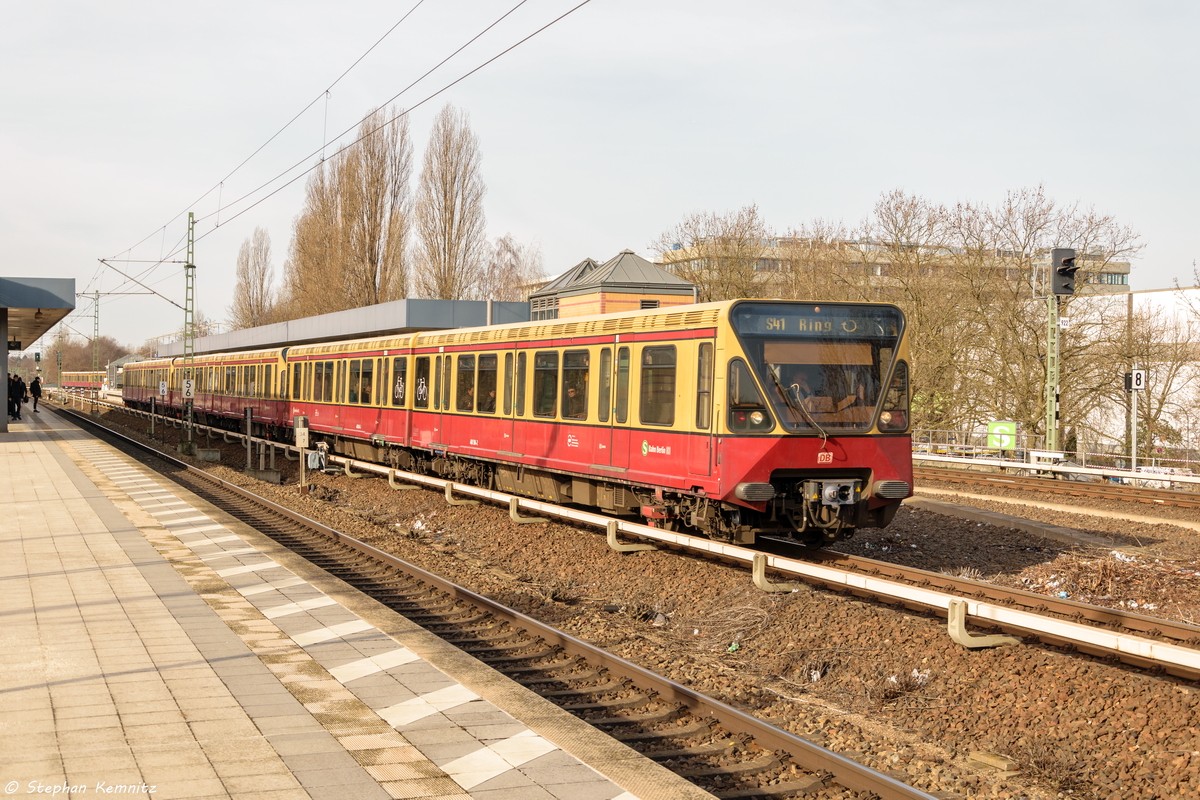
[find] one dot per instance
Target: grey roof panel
(400, 316)
(625, 270)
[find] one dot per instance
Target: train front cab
(816, 440)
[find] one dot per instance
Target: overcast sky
(597, 135)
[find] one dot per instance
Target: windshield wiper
(798, 410)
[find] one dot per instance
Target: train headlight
(756, 418)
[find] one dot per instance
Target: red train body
(735, 419)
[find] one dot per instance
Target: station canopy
(33, 306)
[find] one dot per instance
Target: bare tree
(512, 271)
(374, 192)
(451, 247)
(966, 277)
(350, 242)
(253, 301)
(721, 253)
(817, 263)
(76, 353)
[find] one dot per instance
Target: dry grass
(1043, 761)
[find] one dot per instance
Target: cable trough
(719, 748)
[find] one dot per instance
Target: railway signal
(1062, 270)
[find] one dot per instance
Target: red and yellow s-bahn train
(80, 381)
(735, 419)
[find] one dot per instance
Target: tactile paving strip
(412, 727)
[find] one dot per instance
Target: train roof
(639, 320)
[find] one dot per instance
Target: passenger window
(508, 383)
(521, 384)
(704, 383)
(446, 383)
(267, 384)
(657, 400)
(400, 368)
(747, 410)
(466, 383)
(622, 385)
(422, 388)
(604, 406)
(437, 383)
(355, 373)
(487, 385)
(382, 367)
(545, 383)
(575, 384)
(368, 381)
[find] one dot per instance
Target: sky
(597, 134)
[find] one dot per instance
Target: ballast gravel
(882, 685)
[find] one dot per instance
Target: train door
(618, 438)
(424, 392)
(700, 443)
(340, 416)
(399, 400)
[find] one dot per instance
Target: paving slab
(152, 643)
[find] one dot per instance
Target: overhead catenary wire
(393, 119)
(393, 98)
(422, 102)
(289, 123)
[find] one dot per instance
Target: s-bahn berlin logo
(648, 448)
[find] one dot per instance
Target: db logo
(824, 457)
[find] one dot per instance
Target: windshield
(821, 365)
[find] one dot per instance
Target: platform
(151, 643)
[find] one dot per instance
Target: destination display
(826, 320)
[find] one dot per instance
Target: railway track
(1147, 643)
(1041, 612)
(1100, 490)
(719, 748)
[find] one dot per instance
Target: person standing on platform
(22, 394)
(15, 392)
(35, 390)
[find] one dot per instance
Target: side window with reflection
(421, 383)
(704, 384)
(622, 404)
(604, 404)
(400, 368)
(747, 411)
(508, 383)
(486, 384)
(657, 399)
(367, 386)
(545, 383)
(575, 384)
(520, 407)
(466, 383)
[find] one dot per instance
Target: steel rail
(1108, 491)
(846, 772)
(1136, 650)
